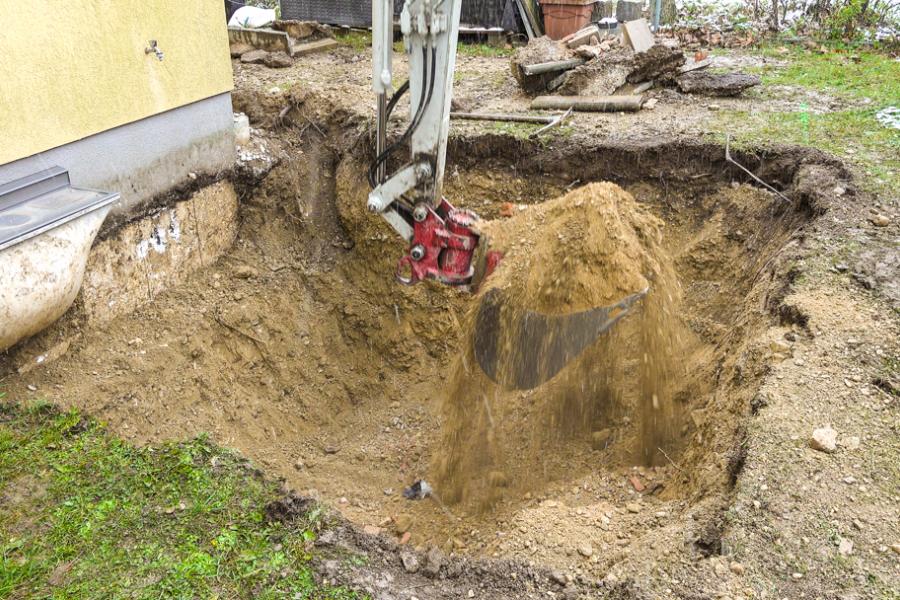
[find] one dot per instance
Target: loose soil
(298, 349)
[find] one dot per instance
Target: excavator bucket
(523, 349)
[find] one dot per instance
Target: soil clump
(593, 247)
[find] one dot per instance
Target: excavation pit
(298, 349)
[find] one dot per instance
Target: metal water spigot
(153, 48)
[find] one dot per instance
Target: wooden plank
(312, 47)
(589, 103)
(533, 11)
(539, 119)
(637, 34)
(525, 20)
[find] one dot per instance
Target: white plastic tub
(47, 229)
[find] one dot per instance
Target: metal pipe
(539, 119)
(588, 103)
(381, 133)
(549, 67)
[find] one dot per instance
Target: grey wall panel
(143, 159)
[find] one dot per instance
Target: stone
(633, 507)
(824, 439)
(650, 104)
(600, 439)
(558, 577)
(716, 84)
(895, 548)
(372, 530)
(410, 561)
(277, 60)
(245, 272)
(434, 559)
(298, 465)
(585, 549)
(239, 49)
(254, 57)
(736, 568)
(779, 347)
(880, 220)
(845, 547)
(402, 523)
(404, 539)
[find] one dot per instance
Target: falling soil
(593, 247)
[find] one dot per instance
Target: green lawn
(867, 81)
(86, 515)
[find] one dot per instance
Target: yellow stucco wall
(72, 68)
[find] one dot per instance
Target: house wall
(78, 90)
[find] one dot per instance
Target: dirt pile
(593, 247)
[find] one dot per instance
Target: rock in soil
(238, 50)
(824, 440)
(254, 57)
(410, 561)
(433, 562)
(277, 60)
(600, 439)
(716, 84)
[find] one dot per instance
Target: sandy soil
(298, 349)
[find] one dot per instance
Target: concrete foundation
(143, 159)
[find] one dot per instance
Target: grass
(86, 515)
(866, 81)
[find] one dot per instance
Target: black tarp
(358, 13)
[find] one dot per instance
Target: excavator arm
(442, 241)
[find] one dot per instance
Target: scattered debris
(418, 490)
(716, 84)
(824, 439)
(302, 30)
(889, 117)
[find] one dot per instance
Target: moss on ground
(86, 515)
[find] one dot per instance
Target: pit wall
(142, 259)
